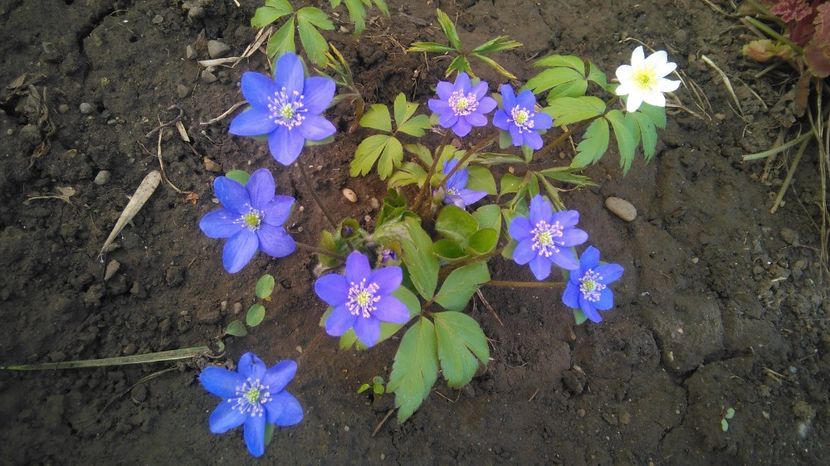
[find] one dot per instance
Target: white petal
(667, 85)
(665, 68)
(624, 73)
(637, 57)
(634, 101)
(655, 98)
(624, 89)
(657, 58)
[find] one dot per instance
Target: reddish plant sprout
(792, 10)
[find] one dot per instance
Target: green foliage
(309, 20)
(461, 345)
(236, 329)
(463, 234)
(265, 286)
(357, 11)
(565, 76)
(387, 330)
(724, 421)
(460, 285)
(626, 138)
(415, 369)
(377, 385)
(568, 110)
(240, 176)
(461, 62)
(421, 264)
(255, 315)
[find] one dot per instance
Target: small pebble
(208, 77)
(182, 91)
(346, 428)
(350, 195)
(63, 108)
(621, 208)
(129, 349)
(86, 108)
(190, 52)
(102, 177)
(112, 268)
(374, 203)
(223, 306)
(158, 19)
(237, 308)
(211, 166)
(217, 49)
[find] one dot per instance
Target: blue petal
(239, 250)
(526, 99)
(589, 310)
(367, 330)
(447, 120)
(317, 94)
(540, 266)
(540, 210)
(252, 122)
(285, 408)
(220, 382)
(520, 228)
(568, 218)
(479, 90)
(261, 188)
(508, 98)
(475, 119)
(332, 288)
(487, 104)
(589, 259)
(225, 417)
(387, 278)
(609, 273)
(257, 88)
(275, 241)
(220, 223)
(316, 128)
(278, 210)
(533, 140)
(390, 309)
(462, 82)
(606, 300)
(570, 297)
(572, 237)
(524, 252)
(565, 258)
(444, 89)
(459, 179)
(516, 135)
(250, 366)
(449, 165)
(357, 267)
(285, 145)
(290, 73)
(278, 375)
(471, 197)
(340, 321)
(232, 195)
(542, 121)
(438, 106)
(500, 120)
(255, 435)
(461, 127)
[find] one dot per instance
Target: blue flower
(588, 289)
(251, 219)
(252, 396)
(457, 192)
(362, 299)
(460, 106)
(546, 237)
(287, 108)
(518, 116)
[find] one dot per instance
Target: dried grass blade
(145, 190)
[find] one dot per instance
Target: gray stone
(217, 49)
(112, 268)
(86, 108)
(621, 208)
(182, 91)
(190, 52)
(102, 177)
(158, 19)
(208, 77)
(63, 108)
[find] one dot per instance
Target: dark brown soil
(721, 304)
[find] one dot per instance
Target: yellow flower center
(287, 112)
(645, 78)
(252, 220)
(544, 238)
(462, 103)
(363, 298)
(520, 117)
(253, 395)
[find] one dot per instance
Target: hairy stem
(307, 181)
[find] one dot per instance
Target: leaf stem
(521, 284)
(422, 194)
(317, 250)
(307, 181)
(473, 151)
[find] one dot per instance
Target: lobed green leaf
(449, 29)
(456, 223)
(420, 262)
(567, 110)
(270, 12)
(461, 345)
(282, 41)
(593, 145)
(377, 117)
(626, 139)
(415, 369)
(460, 286)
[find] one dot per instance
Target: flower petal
(566, 259)
(524, 252)
(278, 375)
(533, 140)
(637, 57)
(516, 135)
(357, 267)
(665, 69)
(438, 106)
(461, 128)
(462, 82)
(623, 89)
(486, 105)
(508, 98)
(278, 210)
(225, 417)
(391, 309)
(609, 273)
(655, 98)
(340, 321)
(606, 300)
(542, 121)
(255, 435)
(635, 99)
(624, 73)
(232, 195)
(459, 179)
(589, 310)
(252, 122)
(367, 330)
(526, 99)
(220, 382)
(444, 89)
(520, 228)
(287, 410)
(500, 120)
(449, 165)
(667, 85)
(540, 266)
(657, 59)
(275, 241)
(540, 210)
(239, 250)
(220, 223)
(570, 297)
(318, 92)
(476, 119)
(388, 279)
(589, 259)
(447, 120)
(471, 197)
(573, 237)
(250, 366)
(567, 218)
(316, 128)
(285, 145)
(261, 188)
(332, 288)
(290, 73)
(479, 90)
(257, 88)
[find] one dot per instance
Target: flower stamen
(462, 104)
(545, 236)
(362, 299)
(251, 396)
(287, 109)
(590, 285)
(523, 118)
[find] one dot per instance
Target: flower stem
(422, 193)
(314, 195)
(317, 250)
(473, 151)
(520, 284)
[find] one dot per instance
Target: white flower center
(287, 109)
(523, 118)
(645, 79)
(251, 396)
(251, 220)
(590, 286)
(545, 238)
(362, 299)
(462, 104)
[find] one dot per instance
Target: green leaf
(481, 179)
(492, 158)
(255, 315)
(265, 286)
(269, 433)
(459, 64)
(363, 388)
(240, 176)
(282, 41)
(460, 285)
(430, 47)
(367, 154)
(378, 389)
(626, 143)
(416, 126)
(567, 110)
(357, 14)
(381, 4)
(419, 259)
(236, 329)
(456, 223)
(448, 249)
(724, 425)
(510, 183)
(579, 316)
(596, 75)
(315, 16)
(461, 345)
(488, 216)
(449, 29)
(551, 78)
(484, 240)
(314, 43)
(593, 145)
(570, 61)
(505, 140)
(270, 12)
(576, 88)
(499, 44)
(377, 117)
(656, 114)
(415, 369)
(730, 413)
(403, 109)
(409, 173)
(391, 157)
(495, 65)
(567, 175)
(648, 133)
(421, 151)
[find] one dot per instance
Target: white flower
(644, 79)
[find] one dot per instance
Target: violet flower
(518, 116)
(587, 289)
(252, 396)
(460, 105)
(457, 192)
(287, 108)
(546, 237)
(252, 219)
(362, 299)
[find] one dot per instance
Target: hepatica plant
(450, 209)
